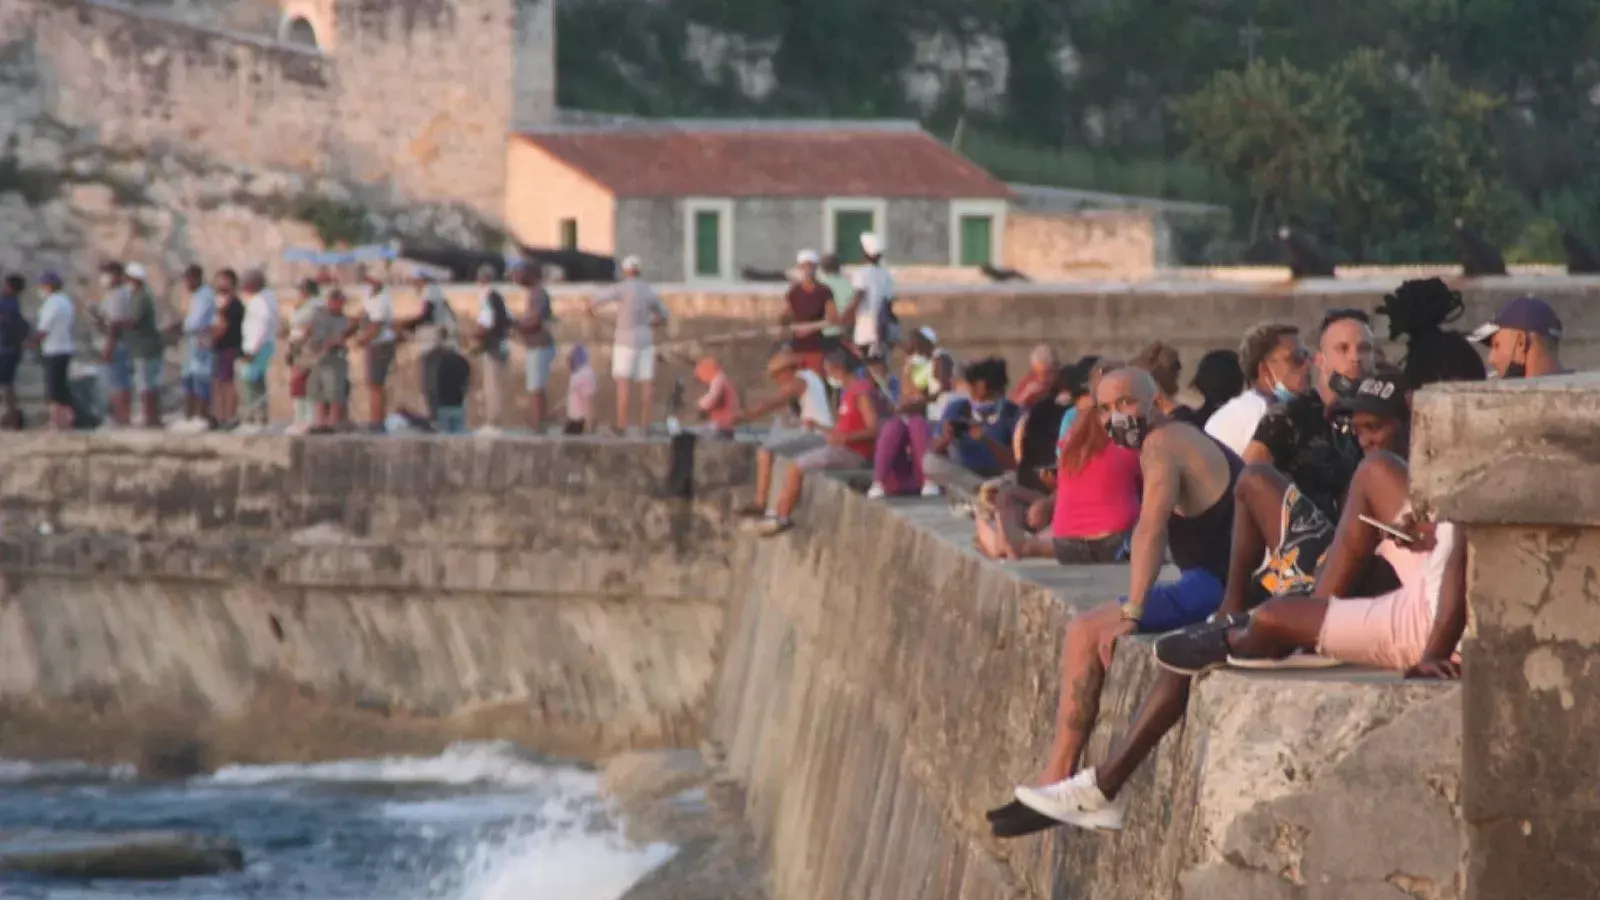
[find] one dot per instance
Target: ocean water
(478, 822)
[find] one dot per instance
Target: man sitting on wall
(974, 440)
(1187, 507)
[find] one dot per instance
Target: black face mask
(1340, 385)
(1516, 370)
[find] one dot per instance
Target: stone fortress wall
(414, 95)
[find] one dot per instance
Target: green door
(569, 234)
(977, 240)
(708, 244)
(848, 227)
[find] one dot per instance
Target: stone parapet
(386, 595)
(1514, 462)
(881, 686)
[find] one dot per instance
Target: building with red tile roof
(705, 200)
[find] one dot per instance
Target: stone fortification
(294, 599)
(417, 96)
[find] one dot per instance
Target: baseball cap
(51, 277)
(808, 256)
(1379, 395)
(631, 262)
(871, 244)
(134, 271)
(1529, 314)
(929, 335)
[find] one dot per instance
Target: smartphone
(1390, 530)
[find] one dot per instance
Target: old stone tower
(418, 97)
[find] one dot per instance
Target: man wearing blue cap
(1523, 339)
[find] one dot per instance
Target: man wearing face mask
(1187, 506)
(1276, 368)
(1523, 339)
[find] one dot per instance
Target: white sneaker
(932, 490)
(1076, 801)
(876, 492)
(248, 429)
(487, 431)
(297, 428)
(179, 426)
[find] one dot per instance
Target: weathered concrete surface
(1516, 463)
(280, 598)
(881, 686)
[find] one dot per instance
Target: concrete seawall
(279, 599)
(882, 686)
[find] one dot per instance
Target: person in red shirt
(850, 443)
(811, 308)
(1042, 366)
(720, 403)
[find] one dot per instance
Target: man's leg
(646, 397)
(1082, 676)
(764, 462)
(1284, 624)
(622, 404)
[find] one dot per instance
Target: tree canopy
(1375, 124)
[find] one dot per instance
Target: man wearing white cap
(872, 305)
(811, 308)
(259, 342)
(146, 344)
(633, 349)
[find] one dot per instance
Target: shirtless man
(1187, 506)
(1302, 460)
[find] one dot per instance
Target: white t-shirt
(814, 406)
(379, 309)
(56, 318)
(1234, 423)
(260, 321)
(877, 287)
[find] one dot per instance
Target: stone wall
(881, 686)
(1049, 246)
(295, 599)
(417, 97)
(1514, 463)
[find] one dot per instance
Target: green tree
(1285, 132)
(1378, 159)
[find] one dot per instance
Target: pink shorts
(1387, 632)
(830, 457)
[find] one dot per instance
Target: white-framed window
(845, 219)
(707, 239)
(977, 232)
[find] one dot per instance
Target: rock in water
(148, 855)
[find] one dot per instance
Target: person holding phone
(1413, 629)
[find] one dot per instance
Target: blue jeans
(450, 420)
(119, 370)
(536, 364)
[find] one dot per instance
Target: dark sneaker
(752, 511)
(1015, 820)
(1198, 648)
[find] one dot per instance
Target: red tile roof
(787, 162)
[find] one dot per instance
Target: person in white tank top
(798, 388)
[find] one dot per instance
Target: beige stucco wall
(541, 191)
(1113, 244)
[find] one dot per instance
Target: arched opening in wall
(298, 30)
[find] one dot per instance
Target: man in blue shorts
(1187, 506)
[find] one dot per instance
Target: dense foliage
(1374, 123)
